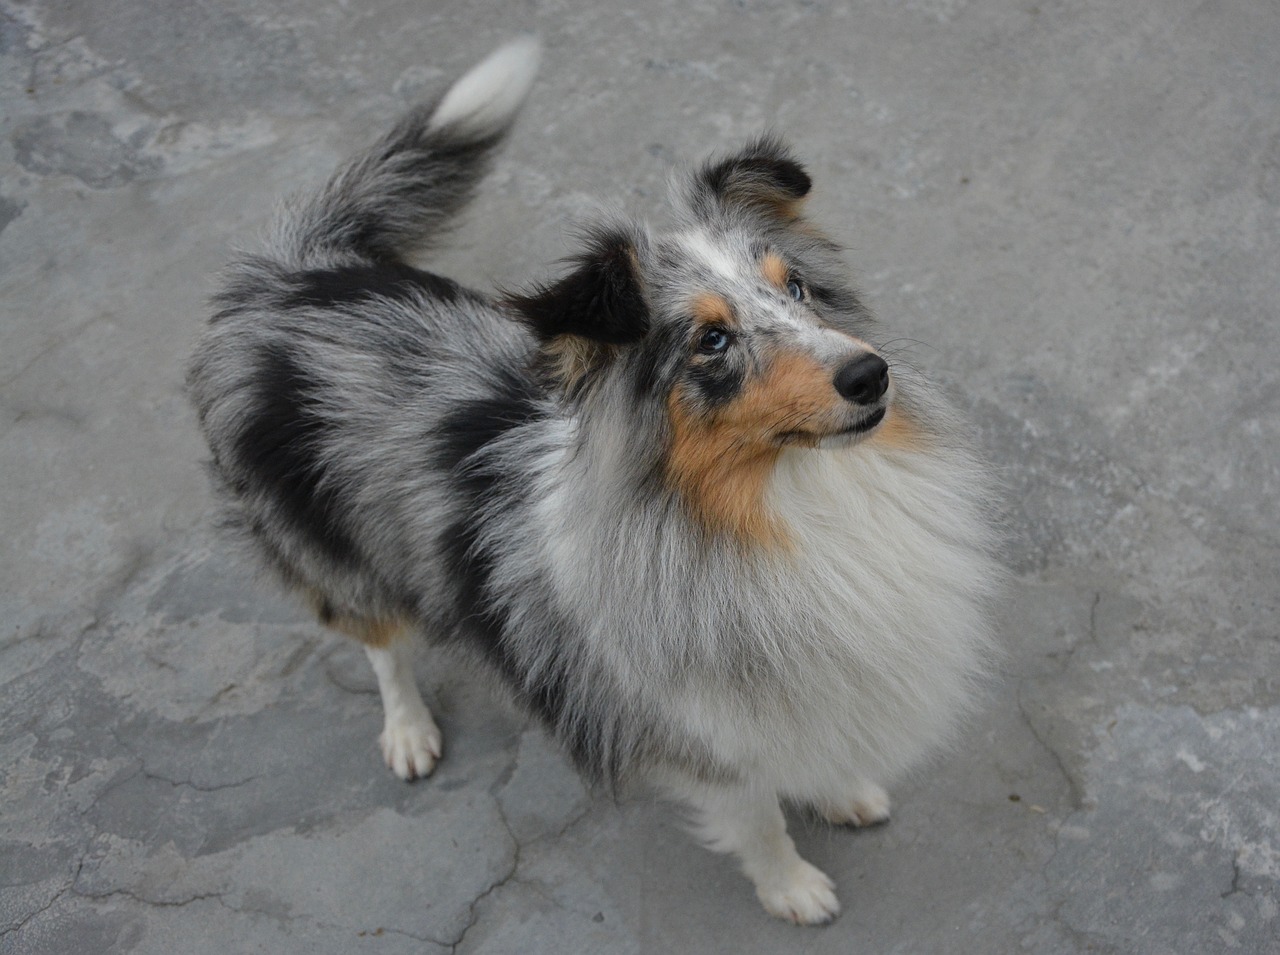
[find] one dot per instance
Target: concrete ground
(1073, 207)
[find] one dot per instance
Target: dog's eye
(714, 341)
(795, 290)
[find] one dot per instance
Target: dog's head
(737, 332)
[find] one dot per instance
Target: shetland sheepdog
(699, 524)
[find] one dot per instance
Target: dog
(675, 498)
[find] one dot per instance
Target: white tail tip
(486, 99)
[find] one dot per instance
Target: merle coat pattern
(675, 498)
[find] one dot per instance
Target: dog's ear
(763, 177)
(600, 305)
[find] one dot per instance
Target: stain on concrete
(1186, 815)
(10, 209)
(1269, 172)
(83, 145)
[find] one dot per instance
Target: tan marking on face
(711, 309)
(722, 481)
(721, 462)
(898, 432)
(775, 270)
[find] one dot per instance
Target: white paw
(805, 896)
(869, 806)
(411, 743)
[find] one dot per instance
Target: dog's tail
(400, 195)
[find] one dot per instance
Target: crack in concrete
(564, 830)
(1067, 657)
(1235, 879)
(161, 778)
(115, 783)
(69, 887)
(500, 784)
(509, 876)
(22, 923)
(1074, 786)
(1079, 801)
(1084, 940)
(281, 917)
(1093, 625)
(512, 877)
(154, 903)
(148, 774)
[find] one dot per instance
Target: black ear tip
(601, 299)
(762, 174)
(776, 162)
(614, 250)
(790, 177)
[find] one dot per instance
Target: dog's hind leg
(411, 741)
(751, 826)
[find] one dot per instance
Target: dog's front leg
(411, 742)
(863, 804)
(751, 826)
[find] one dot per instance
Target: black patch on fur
(463, 433)
(755, 175)
(474, 424)
(662, 352)
(471, 566)
(485, 626)
(717, 383)
(232, 300)
(834, 297)
(471, 569)
(278, 447)
(762, 175)
(349, 285)
(664, 357)
(601, 299)
(251, 284)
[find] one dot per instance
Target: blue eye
(713, 341)
(795, 290)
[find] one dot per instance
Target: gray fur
(530, 520)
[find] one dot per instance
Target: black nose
(863, 380)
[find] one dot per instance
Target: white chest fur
(887, 583)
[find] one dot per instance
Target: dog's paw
(868, 806)
(411, 744)
(806, 896)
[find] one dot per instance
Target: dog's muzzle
(864, 380)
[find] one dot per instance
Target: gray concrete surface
(1073, 207)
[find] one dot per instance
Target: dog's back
(328, 350)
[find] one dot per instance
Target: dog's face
(756, 355)
(739, 327)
